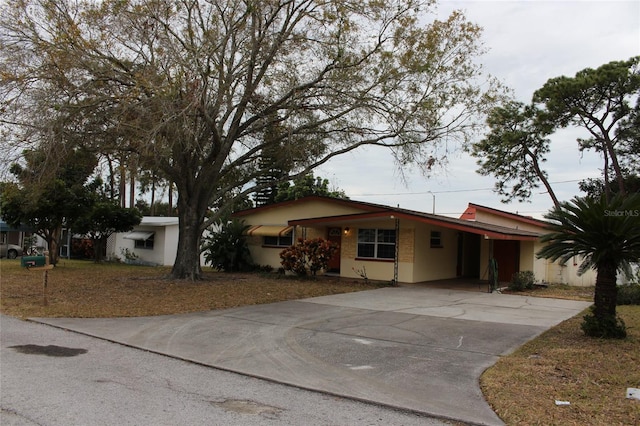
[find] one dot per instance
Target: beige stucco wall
(379, 270)
(505, 221)
(485, 251)
(284, 213)
(553, 272)
(417, 260)
(265, 255)
(544, 270)
(434, 263)
(280, 216)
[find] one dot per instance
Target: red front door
(335, 236)
(507, 254)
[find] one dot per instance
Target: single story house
(153, 242)
(390, 243)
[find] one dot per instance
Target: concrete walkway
(414, 348)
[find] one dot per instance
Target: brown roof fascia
(498, 232)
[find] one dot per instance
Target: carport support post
(396, 256)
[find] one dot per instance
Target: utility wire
(449, 191)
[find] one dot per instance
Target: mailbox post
(39, 263)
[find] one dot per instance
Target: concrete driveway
(409, 347)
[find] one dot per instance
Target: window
(279, 241)
(436, 239)
(377, 243)
(144, 244)
(141, 239)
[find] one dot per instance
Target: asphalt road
(50, 376)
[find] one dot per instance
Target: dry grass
(83, 289)
(558, 291)
(561, 364)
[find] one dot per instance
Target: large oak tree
(191, 87)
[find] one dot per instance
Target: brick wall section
(349, 245)
(406, 245)
(312, 233)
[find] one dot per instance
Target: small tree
(308, 256)
(102, 220)
(607, 236)
(52, 189)
(226, 249)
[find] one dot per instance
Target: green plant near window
(128, 254)
(523, 280)
(226, 249)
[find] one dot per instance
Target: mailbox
(33, 261)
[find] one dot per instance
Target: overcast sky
(529, 42)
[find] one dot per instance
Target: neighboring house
(153, 242)
(13, 240)
(389, 243)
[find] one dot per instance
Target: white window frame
(378, 242)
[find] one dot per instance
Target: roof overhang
(488, 231)
(5, 227)
(269, 230)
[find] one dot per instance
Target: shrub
(629, 294)
(523, 280)
(227, 249)
(611, 327)
(308, 256)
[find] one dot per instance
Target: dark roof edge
(515, 216)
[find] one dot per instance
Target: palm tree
(607, 237)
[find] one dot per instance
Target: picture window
(377, 243)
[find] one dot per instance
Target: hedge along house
(389, 243)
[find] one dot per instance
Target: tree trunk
(152, 210)
(170, 208)
(123, 184)
(187, 264)
(132, 188)
(53, 243)
(543, 178)
(606, 292)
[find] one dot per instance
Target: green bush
(227, 249)
(523, 280)
(611, 327)
(629, 294)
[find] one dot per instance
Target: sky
(529, 42)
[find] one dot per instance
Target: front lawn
(84, 289)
